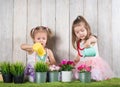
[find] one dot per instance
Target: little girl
(82, 39)
(39, 34)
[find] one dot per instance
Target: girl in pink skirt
(86, 45)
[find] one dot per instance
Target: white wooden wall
(17, 17)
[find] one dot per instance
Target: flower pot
(7, 78)
(19, 79)
(85, 77)
(66, 76)
(31, 78)
(40, 77)
(53, 76)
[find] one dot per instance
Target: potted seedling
(41, 69)
(84, 73)
(5, 70)
(17, 70)
(66, 70)
(54, 73)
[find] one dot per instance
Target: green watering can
(89, 52)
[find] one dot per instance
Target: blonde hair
(76, 23)
(41, 29)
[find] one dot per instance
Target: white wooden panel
(34, 17)
(90, 14)
(6, 26)
(116, 36)
(48, 14)
(48, 20)
(20, 19)
(76, 8)
(62, 29)
(104, 30)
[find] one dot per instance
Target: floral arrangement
(29, 70)
(66, 65)
(84, 68)
(54, 68)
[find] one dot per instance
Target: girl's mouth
(42, 44)
(82, 37)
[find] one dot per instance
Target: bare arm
(91, 41)
(27, 47)
(51, 57)
(77, 59)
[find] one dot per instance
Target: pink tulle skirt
(100, 69)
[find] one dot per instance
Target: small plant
(84, 68)
(6, 73)
(66, 65)
(17, 69)
(41, 67)
(5, 68)
(29, 70)
(54, 68)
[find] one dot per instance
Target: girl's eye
(77, 32)
(38, 38)
(43, 38)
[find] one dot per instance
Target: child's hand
(77, 59)
(91, 41)
(87, 44)
(37, 47)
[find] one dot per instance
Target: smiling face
(80, 31)
(41, 37)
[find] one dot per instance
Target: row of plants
(12, 72)
(62, 72)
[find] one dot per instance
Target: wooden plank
(6, 26)
(34, 17)
(90, 13)
(105, 30)
(76, 8)
(48, 20)
(48, 13)
(19, 35)
(116, 36)
(62, 29)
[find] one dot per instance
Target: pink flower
(70, 62)
(66, 65)
(64, 62)
(54, 68)
(84, 68)
(88, 69)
